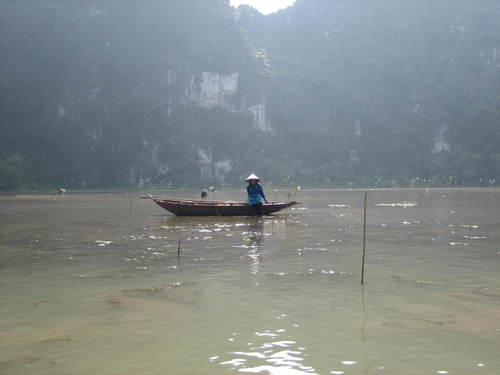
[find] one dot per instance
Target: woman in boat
(255, 194)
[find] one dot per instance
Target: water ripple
(273, 357)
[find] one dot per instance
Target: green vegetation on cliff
(341, 92)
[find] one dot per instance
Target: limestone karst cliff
(340, 92)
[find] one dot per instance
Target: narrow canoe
(187, 207)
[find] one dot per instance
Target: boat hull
(183, 207)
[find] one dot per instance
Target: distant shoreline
(229, 188)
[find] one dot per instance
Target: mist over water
(93, 284)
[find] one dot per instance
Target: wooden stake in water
(364, 243)
(179, 248)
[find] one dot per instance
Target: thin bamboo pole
(179, 248)
(364, 242)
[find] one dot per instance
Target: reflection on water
(253, 241)
(90, 286)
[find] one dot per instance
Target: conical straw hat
(252, 177)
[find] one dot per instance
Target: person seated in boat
(204, 194)
(255, 194)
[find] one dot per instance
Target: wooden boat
(187, 207)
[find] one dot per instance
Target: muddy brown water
(88, 286)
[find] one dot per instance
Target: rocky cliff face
(210, 90)
(114, 93)
(195, 92)
(382, 79)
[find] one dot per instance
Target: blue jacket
(255, 194)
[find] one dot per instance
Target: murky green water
(89, 287)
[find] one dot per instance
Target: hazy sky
(264, 6)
